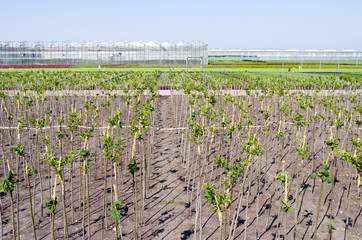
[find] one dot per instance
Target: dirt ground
(169, 213)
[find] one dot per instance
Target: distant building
(280, 54)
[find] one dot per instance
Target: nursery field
(181, 69)
(212, 66)
(110, 155)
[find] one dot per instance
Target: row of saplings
(112, 149)
(220, 200)
(207, 120)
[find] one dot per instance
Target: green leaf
(18, 150)
(51, 204)
(118, 202)
(60, 135)
(9, 184)
(84, 153)
(329, 179)
(286, 206)
(331, 227)
(325, 170)
(33, 171)
(115, 214)
(132, 166)
(139, 136)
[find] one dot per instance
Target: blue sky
(318, 24)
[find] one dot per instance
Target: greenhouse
(77, 53)
(278, 54)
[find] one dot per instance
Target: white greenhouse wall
(75, 53)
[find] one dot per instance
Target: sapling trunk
(80, 171)
(83, 207)
(49, 176)
(319, 205)
(40, 176)
(313, 139)
(296, 152)
(88, 205)
(86, 191)
(12, 208)
(302, 146)
(30, 204)
(18, 175)
(197, 214)
(116, 198)
(239, 200)
(332, 190)
(198, 196)
(358, 205)
(62, 181)
(349, 200)
(345, 147)
(258, 195)
(193, 179)
(281, 143)
(12, 215)
(134, 207)
(231, 161)
(140, 177)
(247, 209)
(142, 182)
(221, 224)
(75, 122)
(104, 221)
(52, 225)
(52, 212)
(149, 152)
(17, 202)
(64, 208)
(71, 179)
(134, 188)
(209, 147)
(188, 174)
(285, 200)
(332, 165)
(1, 219)
(34, 162)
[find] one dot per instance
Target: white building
(279, 54)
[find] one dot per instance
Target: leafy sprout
(117, 210)
(323, 174)
(9, 183)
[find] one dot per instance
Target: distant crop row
(293, 64)
(37, 66)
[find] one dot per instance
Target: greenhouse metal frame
(78, 53)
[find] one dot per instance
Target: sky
(277, 24)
